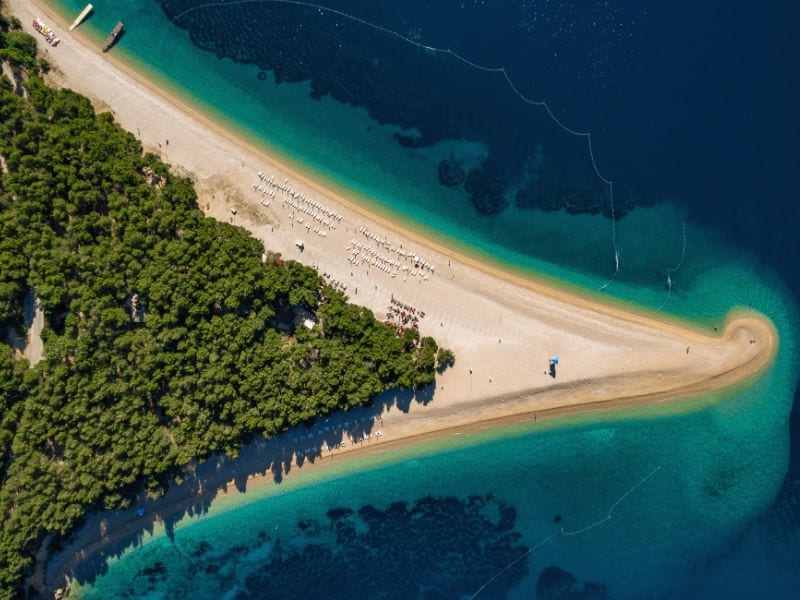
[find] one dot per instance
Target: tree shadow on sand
(108, 534)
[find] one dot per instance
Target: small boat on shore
(112, 37)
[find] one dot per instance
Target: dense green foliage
(16, 47)
(124, 399)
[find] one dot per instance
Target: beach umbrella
(554, 360)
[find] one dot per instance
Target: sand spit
(503, 328)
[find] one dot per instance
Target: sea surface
(468, 121)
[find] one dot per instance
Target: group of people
(334, 283)
(404, 315)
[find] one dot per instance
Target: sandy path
(502, 328)
(35, 318)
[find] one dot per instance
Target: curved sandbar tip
(611, 355)
(608, 352)
(754, 331)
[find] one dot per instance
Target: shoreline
(130, 531)
(613, 358)
(725, 383)
(325, 185)
(111, 533)
(550, 287)
(622, 407)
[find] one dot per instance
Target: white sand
(502, 328)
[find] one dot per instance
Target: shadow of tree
(84, 556)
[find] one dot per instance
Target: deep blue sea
(468, 119)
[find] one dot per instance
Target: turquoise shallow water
(344, 145)
(681, 482)
(680, 487)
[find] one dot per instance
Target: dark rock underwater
(733, 177)
(430, 96)
(434, 548)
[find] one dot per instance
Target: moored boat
(112, 37)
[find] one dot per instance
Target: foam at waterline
(501, 70)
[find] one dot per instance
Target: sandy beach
(503, 328)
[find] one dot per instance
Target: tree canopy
(162, 343)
